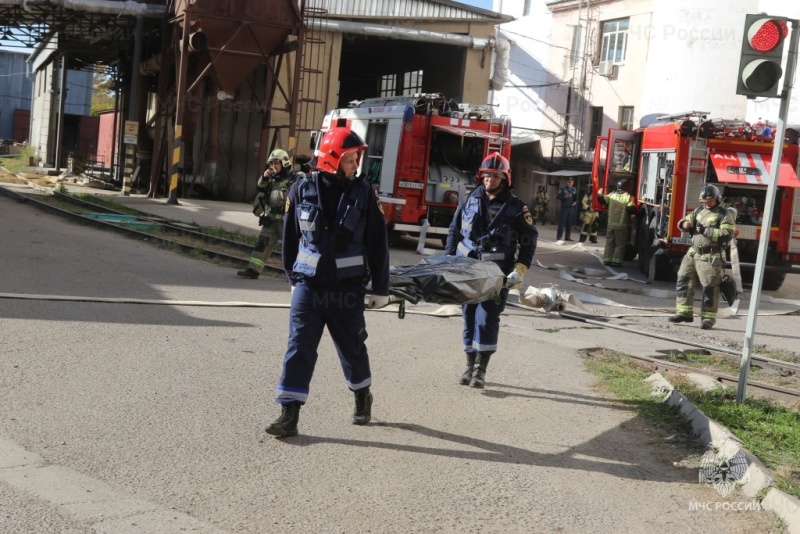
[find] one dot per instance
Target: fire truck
(667, 163)
(424, 153)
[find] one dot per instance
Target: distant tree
(102, 93)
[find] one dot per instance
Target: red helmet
(496, 163)
(336, 143)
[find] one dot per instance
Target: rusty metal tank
(238, 34)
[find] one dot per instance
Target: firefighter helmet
(282, 156)
(496, 163)
(336, 143)
(622, 185)
(709, 192)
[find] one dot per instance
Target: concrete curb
(708, 431)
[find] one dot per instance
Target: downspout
(62, 99)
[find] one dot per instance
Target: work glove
(699, 228)
(515, 277)
(377, 301)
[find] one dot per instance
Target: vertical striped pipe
(177, 146)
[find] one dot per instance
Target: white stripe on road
(86, 499)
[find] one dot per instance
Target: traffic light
(762, 53)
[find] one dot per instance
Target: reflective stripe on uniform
(352, 261)
(492, 256)
(308, 259)
(482, 348)
(307, 226)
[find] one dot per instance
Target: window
(626, 117)
(596, 128)
(575, 50)
(388, 85)
(614, 41)
(412, 82)
(526, 9)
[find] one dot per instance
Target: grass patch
(782, 355)
(110, 204)
(236, 236)
(768, 429)
(624, 377)
(704, 360)
(17, 163)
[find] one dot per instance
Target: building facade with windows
(618, 63)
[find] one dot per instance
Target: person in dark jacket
(492, 224)
(334, 240)
(568, 197)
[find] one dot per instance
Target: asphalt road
(124, 417)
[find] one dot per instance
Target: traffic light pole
(766, 222)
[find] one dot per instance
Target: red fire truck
(668, 162)
(424, 152)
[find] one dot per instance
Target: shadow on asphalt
(608, 453)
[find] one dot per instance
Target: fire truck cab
(668, 162)
(424, 153)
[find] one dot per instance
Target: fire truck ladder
(496, 144)
(697, 165)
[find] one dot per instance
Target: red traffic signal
(765, 35)
(762, 54)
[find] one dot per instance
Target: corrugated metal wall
(15, 89)
(419, 9)
(79, 93)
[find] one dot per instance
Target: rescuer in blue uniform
(492, 224)
(568, 197)
(334, 240)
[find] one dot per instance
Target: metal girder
(85, 36)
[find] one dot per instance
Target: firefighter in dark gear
(334, 241)
(620, 209)
(492, 224)
(540, 203)
(568, 197)
(711, 227)
(268, 206)
(590, 216)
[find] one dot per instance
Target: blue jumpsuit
(490, 230)
(334, 240)
(567, 195)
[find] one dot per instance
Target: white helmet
(282, 156)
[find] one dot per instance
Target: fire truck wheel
(394, 237)
(772, 281)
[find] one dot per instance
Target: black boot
(583, 238)
(248, 273)
(467, 375)
(285, 426)
(593, 238)
(479, 372)
(363, 412)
